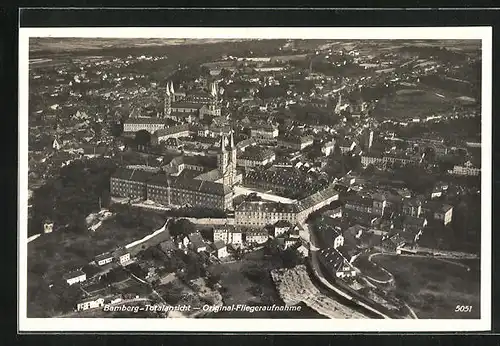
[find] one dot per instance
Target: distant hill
(71, 44)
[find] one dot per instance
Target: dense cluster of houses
(388, 220)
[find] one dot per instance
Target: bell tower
(223, 159)
(167, 102)
(233, 156)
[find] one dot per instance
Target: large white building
(75, 277)
(257, 236)
(261, 213)
(90, 303)
(163, 134)
(466, 169)
(149, 124)
(264, 131)
(255, 157)
(228, 234)
(444, 214)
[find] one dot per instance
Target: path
(455, 263)
(411, 311)
(33, 237)
(313, 254)
(446, 253)
(210, 221)
(239, 190)
(442, 257)
(391, 277)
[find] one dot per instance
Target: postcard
(277, 179)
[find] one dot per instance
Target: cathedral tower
(233, 155)
(339, 105)
(167, 102)
(223, 159)
(227, 159)
(172, 91)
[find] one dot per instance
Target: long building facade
(170, 191)
(260, 213)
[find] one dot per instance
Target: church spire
(167, 101)
(222, 142)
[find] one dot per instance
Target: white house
(197, 243)
(281, 227)
(104, 259)
(289, 242)
(344, 269)
(467, 169)
(257, 236)
(56, 145)
(90, 303)
(444, 214)
(220, 249)
(48, 227)
(228, 234)
(303, 250)
(75, 277)
(328, 147)
(123, 256)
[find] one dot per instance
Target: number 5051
(463, 308)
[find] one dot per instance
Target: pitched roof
(172, 130)
(446, 207)
(196, 239)
(260, 206)
(145, 121)
(219, 244)
(213, 175)
(202, 186)
(186, 105)
(317, 197)
(283, 223)
(73, 274)
(103, 256)
(132, 174)
(414, 221)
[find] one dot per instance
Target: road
(239, 190)
(210, 221)
(313, 254)
(391, 277)
(448, 254)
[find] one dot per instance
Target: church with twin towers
(177, 104)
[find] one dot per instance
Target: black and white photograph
(255, 179)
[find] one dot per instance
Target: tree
(117, 129)
(142, 138)
(225, 73)
(213, 279)
(75, 193)
(370, 169)
(182, 227)
(291, 257)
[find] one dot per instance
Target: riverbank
(294, 286)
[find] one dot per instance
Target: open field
(54, 254)
(248, 282)
(370, 269)
(411, 103)
(432, 287)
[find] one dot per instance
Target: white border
(260, 325)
